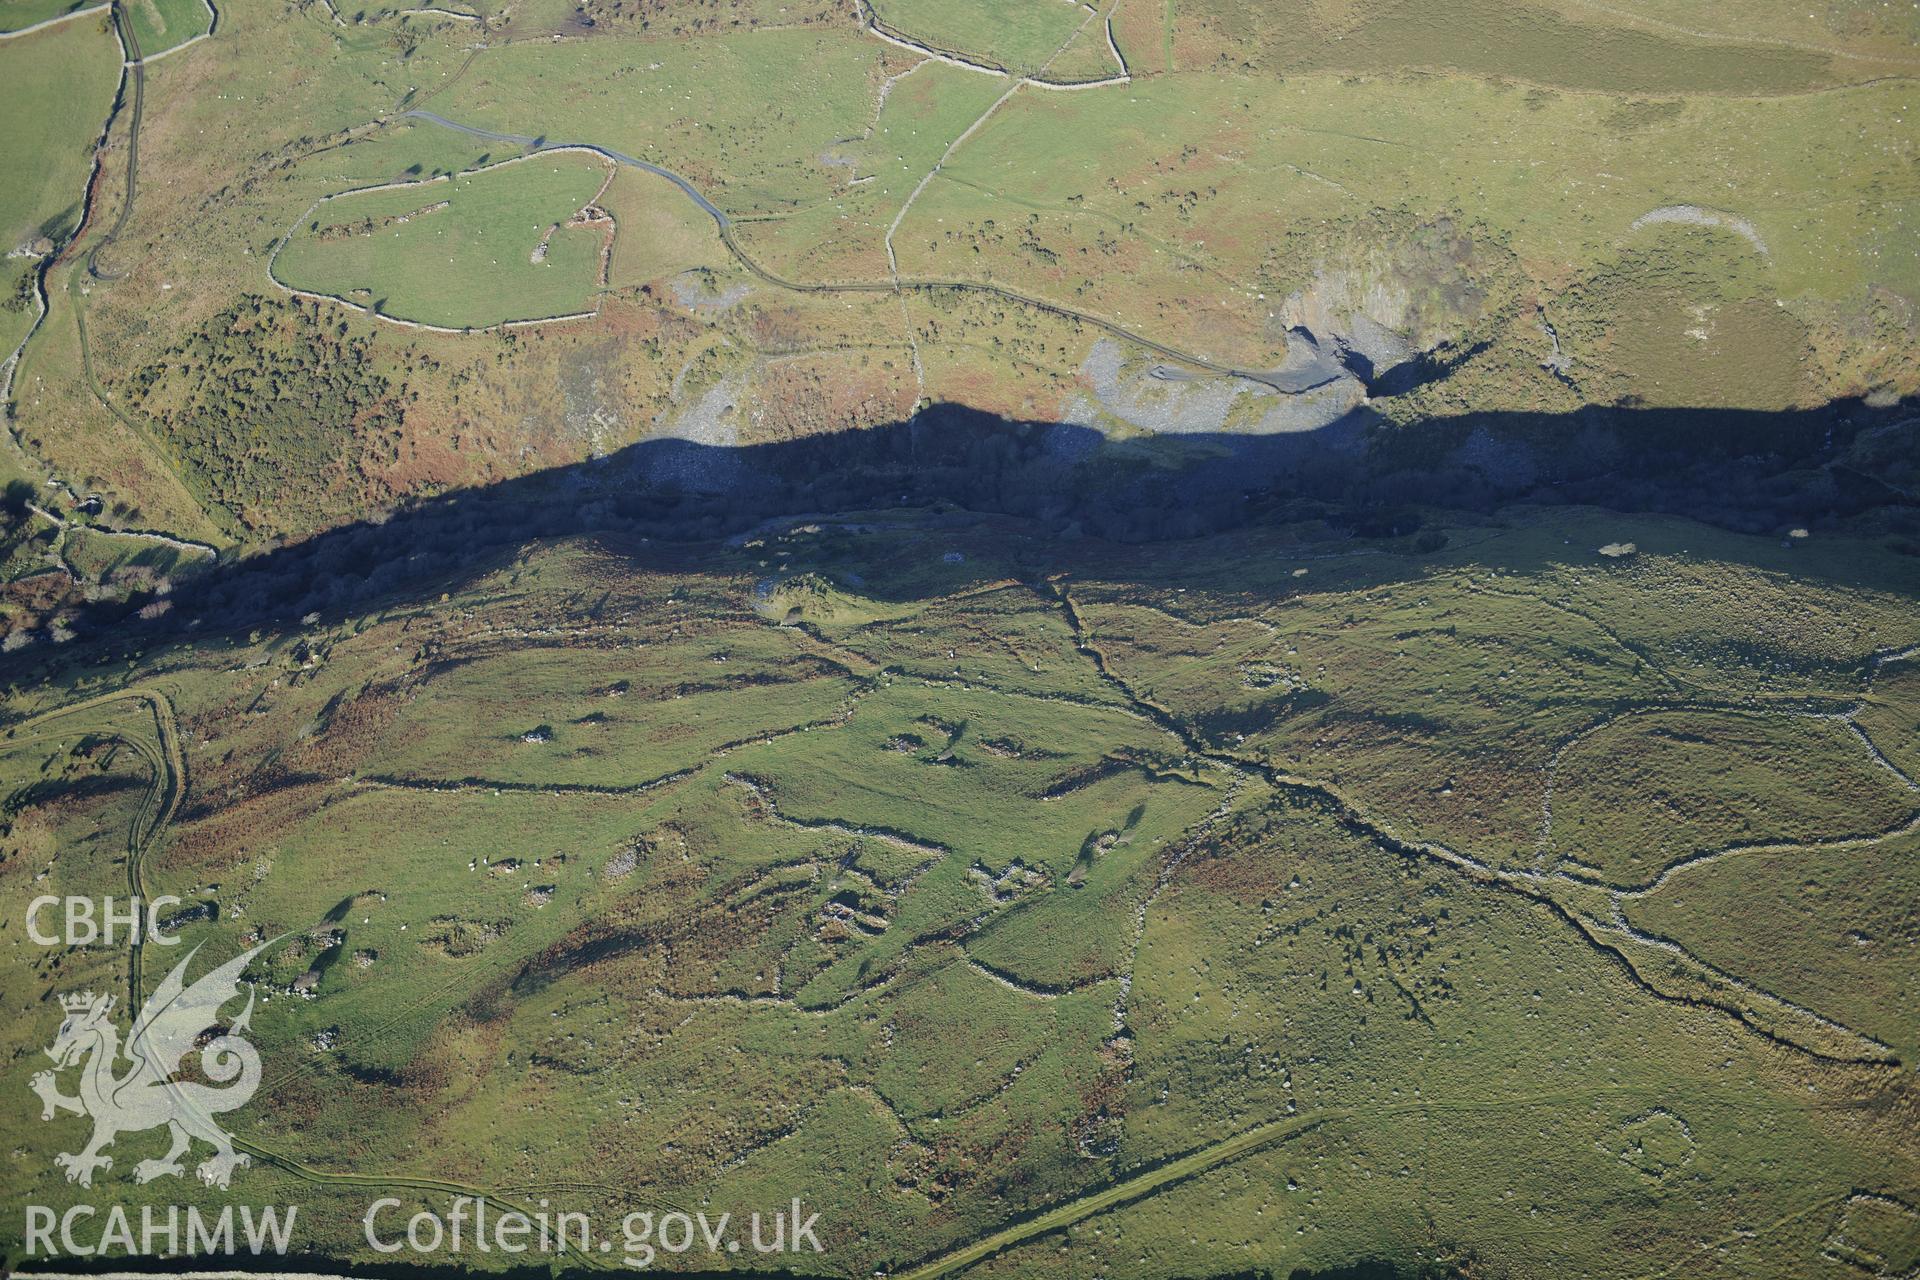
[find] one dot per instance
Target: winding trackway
(157, 807)
(1266, 378)
(137, 71)
(540, 144)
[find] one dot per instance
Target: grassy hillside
(1114, 909)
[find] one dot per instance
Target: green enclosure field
(45, 150)
(1017, 34)
(608, 723)
(476, 249)
(660, 232)
(407, 150)
(879, 167)
(17, 14)
(160, 25)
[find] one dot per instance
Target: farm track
(165, 791)
(905, 284)
(133, 72)
(137, 74)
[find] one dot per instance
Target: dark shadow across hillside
(1749, 471)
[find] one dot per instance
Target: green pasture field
(16, 14)
(407, 150)
(1004, 636)
(1020, 35)
(660, 232)
(605, 723)
(49, 152)
(843, 237)
(160, 25)
(459, 252)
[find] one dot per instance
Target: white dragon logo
(171, 1024)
